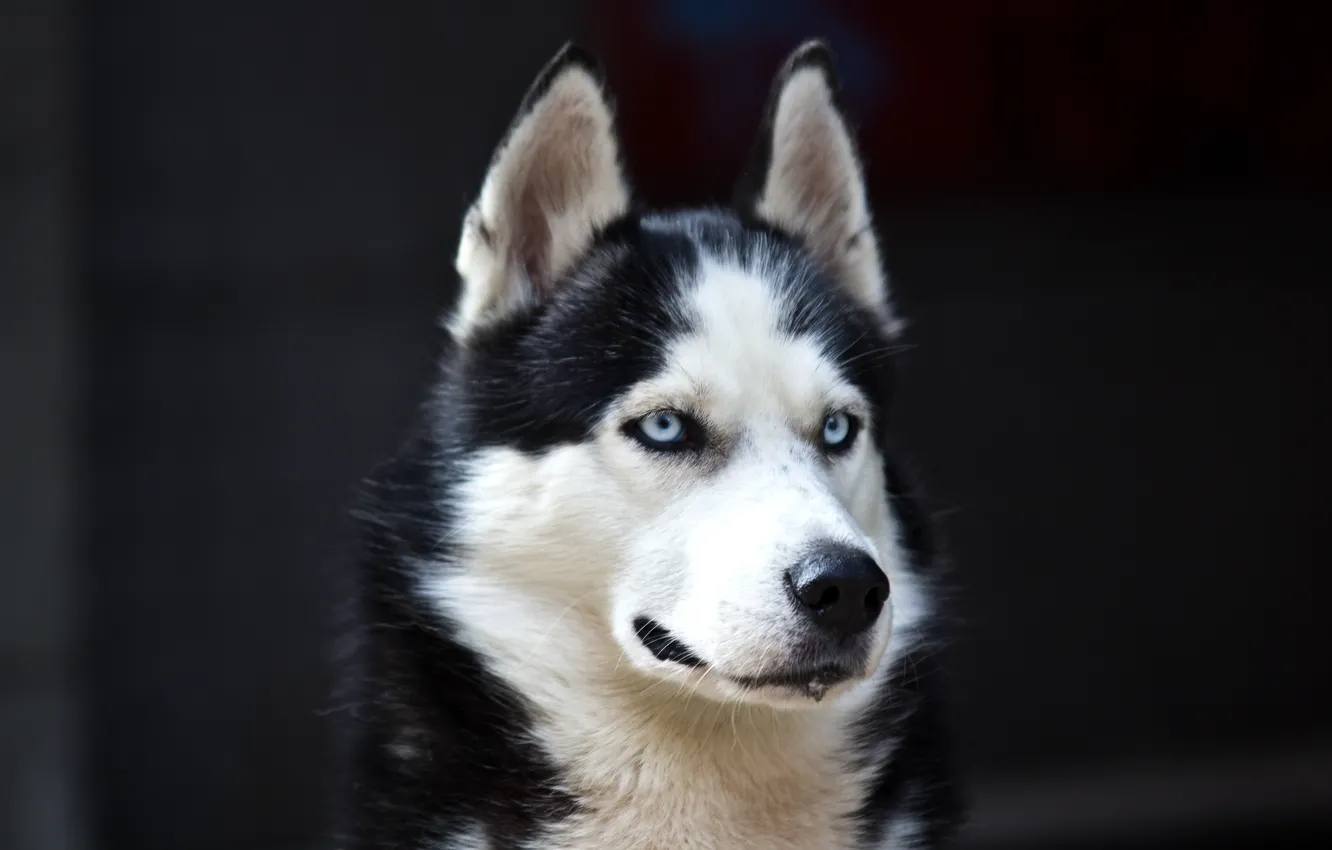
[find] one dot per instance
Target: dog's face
(675, 424)
(761, 542)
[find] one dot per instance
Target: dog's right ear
(553, 181)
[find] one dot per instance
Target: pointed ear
(553, 181)
(805, 178)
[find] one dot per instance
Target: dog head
(671, 428)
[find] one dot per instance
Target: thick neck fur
(652, 765)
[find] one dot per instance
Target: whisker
(540, 643)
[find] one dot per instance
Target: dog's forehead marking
(739, 360)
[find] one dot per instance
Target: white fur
(474, 838)
(560, 551)
(904, 834)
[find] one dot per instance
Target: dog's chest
(749, 791)
(789, 820)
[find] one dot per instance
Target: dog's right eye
(664, 430)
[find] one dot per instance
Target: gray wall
(38, 806)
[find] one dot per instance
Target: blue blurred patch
(718, 30)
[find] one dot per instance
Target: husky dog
(649, 576)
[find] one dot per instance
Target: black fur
(463, 757)
(581, 349)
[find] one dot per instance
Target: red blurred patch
(994, 94)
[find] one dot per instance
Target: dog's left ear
(554, 180)
(805, 178)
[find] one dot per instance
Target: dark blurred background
(226, 230)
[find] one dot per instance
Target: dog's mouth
(663, 645)
(813, 682)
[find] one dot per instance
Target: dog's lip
(663, 645)
(826, 675)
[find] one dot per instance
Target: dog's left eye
(839, 430)
(664, 429)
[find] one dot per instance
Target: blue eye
(663, 429)
(839, 429)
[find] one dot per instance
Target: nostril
(817, 595)
(874, 601)
(828, 597)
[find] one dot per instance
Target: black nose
(840, 587)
